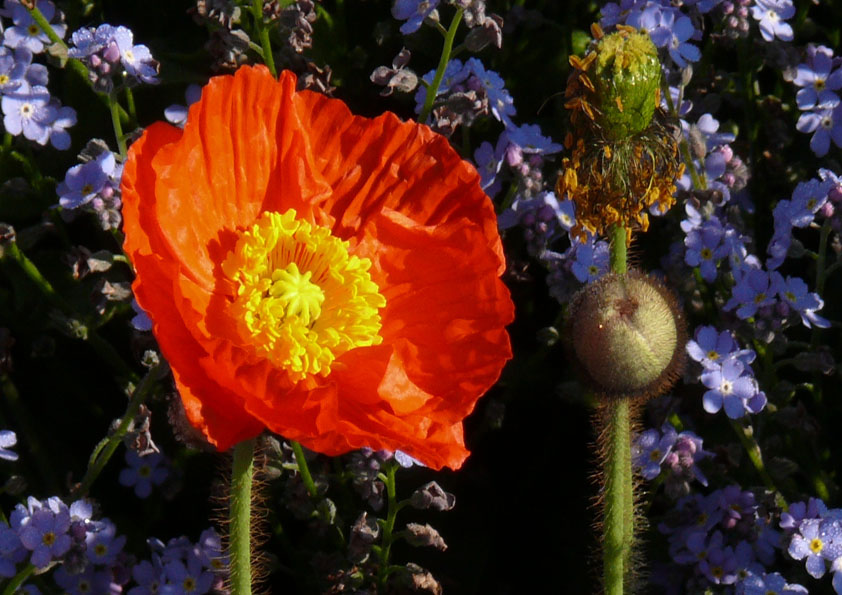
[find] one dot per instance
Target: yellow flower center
(4, 79)
(301, 298)
(816, 545)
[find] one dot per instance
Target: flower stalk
(20, 578)
(618, 519)
(263, 35)
(304, 470)
(446, 50)
(618, 511)
(113, 107)
(388, 525)
(105, 450)
(239, 540)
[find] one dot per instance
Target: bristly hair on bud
(628, 335)
(624, 150)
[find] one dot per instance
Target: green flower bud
(628, 334)
(627, 79)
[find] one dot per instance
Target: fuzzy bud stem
(239, 540)
(618, 527)
(618, 510)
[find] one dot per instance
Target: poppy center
(302, 299)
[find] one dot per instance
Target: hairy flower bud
(628, 334)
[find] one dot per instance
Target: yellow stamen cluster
(623, 161)
(302, 300)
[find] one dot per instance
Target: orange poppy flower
(330, 277)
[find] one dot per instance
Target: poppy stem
(618, 510)
(239, 539)
(618, 252)
(263, 35)
(433, 89)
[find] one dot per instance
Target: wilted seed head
(627, 79)
(628, 334)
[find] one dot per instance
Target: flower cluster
(181, 566)
(468, 90)
(111, 56)
(723, 538)
(771, 16)
(28, 108)
(91, 555)
(820, 77)
(7, 440)
(43, 532)
(815, 536)
(666, 450)
(144, 472)
(94, 185)
(726, 373)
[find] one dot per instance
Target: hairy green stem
(433, 89)
(106, 451)
(263, 35)
(239, 540)
(304, 470)
(618, 249)
(618, 504)
(618, 512)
